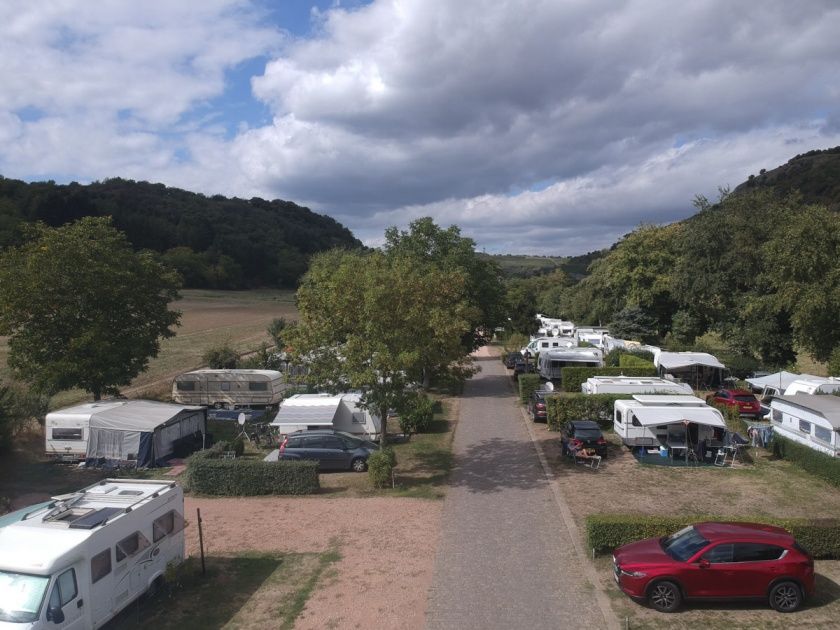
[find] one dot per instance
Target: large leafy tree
(373, 322)
(82, 308)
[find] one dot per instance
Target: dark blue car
(333, 450)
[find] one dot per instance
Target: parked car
(717, 561)
(536, 406)
(333, 450)
(747, 403)
(521, 366)
(583, 434)
(511, 358)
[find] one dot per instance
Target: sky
(540, 127)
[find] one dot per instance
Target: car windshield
(21, 596)
(588, 434)
(684, 544)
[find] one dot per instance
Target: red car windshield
(684, 544)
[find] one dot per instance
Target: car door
(65, 597)
(335, 453)
(755, 566)
(312, 448)
(711, 574)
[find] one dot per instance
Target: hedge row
(816, 463)
(606, 532)
(249, 477)
(574, 377)
(632, 360)
(528, 384)
(564, 408)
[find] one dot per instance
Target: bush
(418, 415)
(633, 360)
(381, 466)
(606, 532)
(568, 407)
(573, 377)
(834, 362)
(528, 384)
(818, 464)
(733, 419)
(238, 446)
(206, 474)
(221, 357)
(515, 342)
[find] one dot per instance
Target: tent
(700, 369)
(779, 380)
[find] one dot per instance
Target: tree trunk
(383, 415)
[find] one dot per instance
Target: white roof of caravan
(137, 415)
(268, 373)
(678, 400)
(651, 416)
(826, 406)
(671, 360)
(779, 379)
(631, 380)
(311, 409)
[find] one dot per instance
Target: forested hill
(815, 174)
(215, 242)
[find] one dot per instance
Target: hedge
(561, 409)
(528, 384)
(606, 532)
(818, 464)
(573, 377)
(633, 361)
(249, 477)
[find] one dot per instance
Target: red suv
(717, 561)
(746, 402)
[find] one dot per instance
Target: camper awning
(779, 380)
(675, 360)
(652, 417)
(137, 415)
(311, 414)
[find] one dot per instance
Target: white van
(82, 558)
(813, 385)
(544, 344)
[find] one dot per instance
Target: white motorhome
(633, 385)
(594, 335)
(230, 389)
(551, 362)
(556, 327)
(82, 558)
(808, 419)
(544, 344)
(342, 412)
(813, 385)
(668, 420)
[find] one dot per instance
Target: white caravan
(230, 389)
(303, 412)
(544, 344)
(813, 385)
(550, 363)
(810, 420)
(653, 420)
(633, 385)
(78, 561)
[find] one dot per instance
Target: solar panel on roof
(94, 519)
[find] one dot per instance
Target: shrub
(568, 407)
(605, 532)
(573, 377)
(528, 384)
(418, 415)
(515, 342)
(206, 474)
(221, 357)
(238, 446)
(732, 417)
(381, 466)
(834, 362)
(634, 360)
(818, 464)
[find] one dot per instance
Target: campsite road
(506, 558)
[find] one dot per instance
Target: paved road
(505, 559)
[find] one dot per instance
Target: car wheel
(358, 465)
(786, 597)
(665, 596)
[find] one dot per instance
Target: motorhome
(551, 362)
(592, 335)
(544, 344)
(80, 559)
(633, 385)
(813, 385)
(230, 389)
(810, 420)
(341, 412)
(665, 420)
(555, 327)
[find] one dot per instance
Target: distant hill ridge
(216, 242)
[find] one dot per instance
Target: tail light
(540, 406)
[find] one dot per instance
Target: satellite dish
(549, 386)
(241, 419)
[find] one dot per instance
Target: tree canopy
(82, 308)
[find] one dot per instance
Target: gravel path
(506, 558)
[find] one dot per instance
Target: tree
(82, 309)
(275, 331)
(221, 357)
(520, 301)
(373, 322)
(634, 323)
(18, 406)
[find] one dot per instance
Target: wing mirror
(55, 614)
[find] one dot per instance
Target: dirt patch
(386, 547)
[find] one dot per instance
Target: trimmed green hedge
(573, 377)
(249, 477)
(606, 532)
(528, 384)
(561, 409)
(632, 360)
(818, 464)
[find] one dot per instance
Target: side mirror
(704, 564)
(55, 614)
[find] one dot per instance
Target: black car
(583, 434)
(333, 450)
(511, 358)
(536, 406)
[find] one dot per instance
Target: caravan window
(260, 386)
(131, 545)
(164, 525)
(224, 386)
(185, 386)
(805, 426)
(821, 433)
(100, 565)
(67, 434)
(777, 416)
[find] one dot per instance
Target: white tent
(779, 380)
